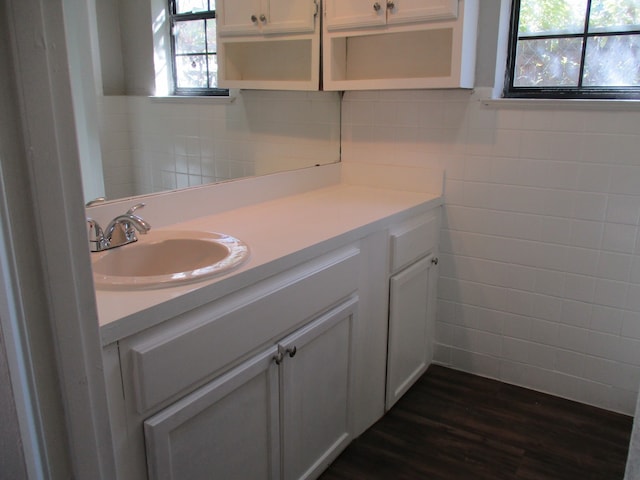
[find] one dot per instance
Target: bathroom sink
(166, 258)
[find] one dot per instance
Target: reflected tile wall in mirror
(150, 146)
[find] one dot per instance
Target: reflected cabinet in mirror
(150, 143)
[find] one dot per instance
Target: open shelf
(423, 54)
(417, 54)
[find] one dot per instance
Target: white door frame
(55, 201)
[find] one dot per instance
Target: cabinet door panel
(341, 14)
(227, 429)
(290, 16)
(409, 329)
(235, 17)
(317, 391)
(405, 11)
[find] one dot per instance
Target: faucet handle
(96, 236)
(135, 207)
(94, 229)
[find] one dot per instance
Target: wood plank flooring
(453, 425)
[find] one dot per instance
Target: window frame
(181, 17)
(551, 92)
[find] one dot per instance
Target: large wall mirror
(134, 142)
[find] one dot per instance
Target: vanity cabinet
(257, 384)
(290, 402)
(274, 377)
(412, 300)
(268, 44)
(398, 44)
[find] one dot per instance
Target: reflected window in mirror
(193, 47)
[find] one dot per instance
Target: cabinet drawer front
(413, 239)
(202, 342)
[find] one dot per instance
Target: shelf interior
(281, 60)
(411, 54)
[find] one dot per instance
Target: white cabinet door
(341, 14)
(252, 17)
(232, 427)
(239, 17)
(410, 327)
(317, 391)
(406, 11)
(290, 16)
(227, 429)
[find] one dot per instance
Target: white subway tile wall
(540, 253)
(151, 146)
(115, 142)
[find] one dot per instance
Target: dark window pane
(614, 15)
(552, 16)
(612, 61)
(548, 63)
(190, 37)
(191, 71)
(192, 6)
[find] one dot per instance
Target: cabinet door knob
(254, 19)
(391, 5)
(263, 18)
(292, 351)
(278, 358)
(376, 7)
(435, 260)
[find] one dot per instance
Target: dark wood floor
(453, 425)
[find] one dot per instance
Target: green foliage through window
(574, 49)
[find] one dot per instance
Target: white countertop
(281, 233)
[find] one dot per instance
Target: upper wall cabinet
(366, 44)
(268, 44)
(394, 44)
(367, 13)
(255, 17)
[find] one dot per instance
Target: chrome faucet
(120, 231)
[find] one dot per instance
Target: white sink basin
(166, 258)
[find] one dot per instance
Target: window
(574, 49)
(193, 47)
